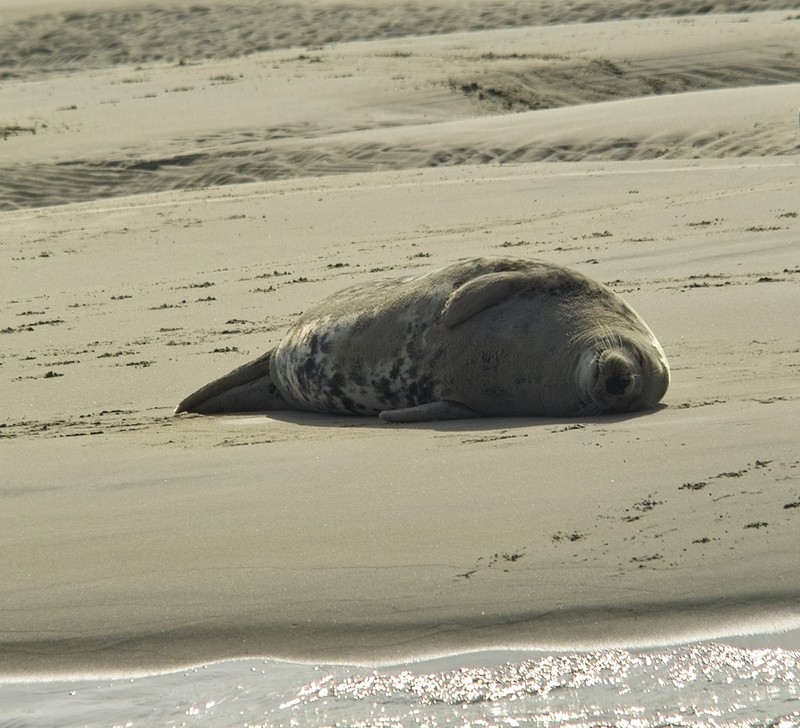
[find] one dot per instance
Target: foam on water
(702, 684)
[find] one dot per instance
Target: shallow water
(704, 684)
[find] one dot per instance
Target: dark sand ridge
(97, 34)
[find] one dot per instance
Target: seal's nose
(615, 380)
(618, 384)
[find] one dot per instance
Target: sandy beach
(179, 181)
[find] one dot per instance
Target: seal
(480, 337)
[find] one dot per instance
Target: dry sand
(658, 154)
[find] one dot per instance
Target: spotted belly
(347, 369)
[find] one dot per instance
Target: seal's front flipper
(442, 410)
(481, 293)
(246, 389)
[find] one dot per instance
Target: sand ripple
(78, 40)
(425, 102)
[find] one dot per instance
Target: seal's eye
(596, 367)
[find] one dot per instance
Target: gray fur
(481, 337)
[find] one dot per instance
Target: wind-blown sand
(657, 154)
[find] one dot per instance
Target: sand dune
(688, 126)
(164, 222)
(391, 104)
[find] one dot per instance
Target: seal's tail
(246, 389)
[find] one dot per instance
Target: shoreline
(787, 639)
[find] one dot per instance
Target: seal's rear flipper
(246, 389)
(442, 410)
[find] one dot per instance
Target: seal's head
(621, 374)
